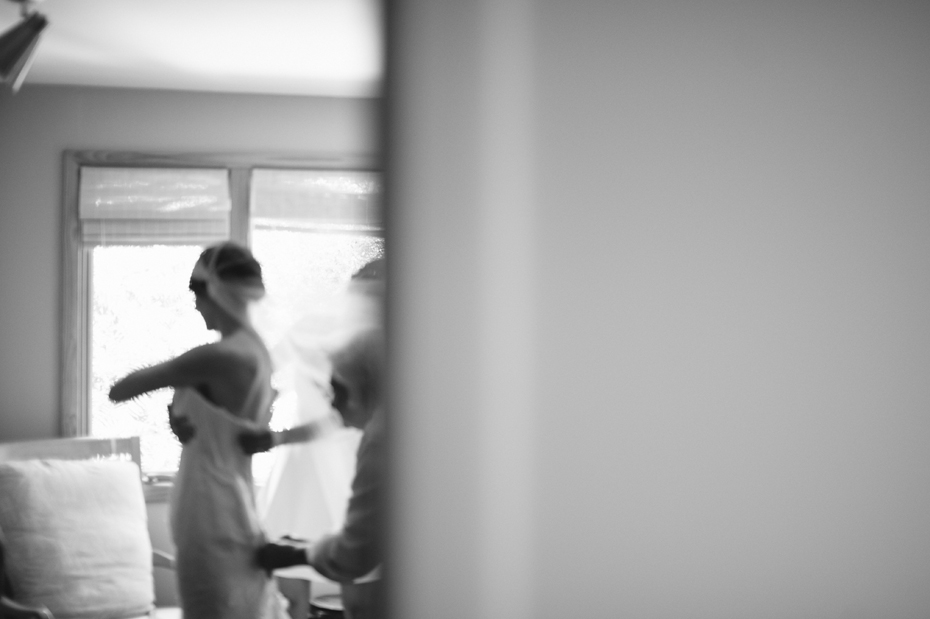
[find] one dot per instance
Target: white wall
(678, 255)
(39, 122)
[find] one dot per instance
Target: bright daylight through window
(139, 233)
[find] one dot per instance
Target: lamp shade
(17, 48)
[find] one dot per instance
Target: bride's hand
(180, 426)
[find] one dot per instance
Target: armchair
(74, 540)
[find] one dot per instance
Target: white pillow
(77, 537)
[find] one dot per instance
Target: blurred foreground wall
(660, 278)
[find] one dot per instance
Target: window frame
(75, 306)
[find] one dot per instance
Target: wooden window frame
(75, 310)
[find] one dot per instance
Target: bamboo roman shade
(131, 206)
(316, 200)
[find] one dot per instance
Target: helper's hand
(275, 556)
(254, 442)
(180, 426)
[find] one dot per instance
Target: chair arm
(162, 559)
(13, 610)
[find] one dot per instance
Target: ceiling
(292, 47)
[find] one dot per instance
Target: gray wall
(661, 308)
(39, 122)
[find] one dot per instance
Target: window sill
(157, 492)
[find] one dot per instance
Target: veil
(237, 297)
(306, 488)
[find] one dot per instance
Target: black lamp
(18, 46)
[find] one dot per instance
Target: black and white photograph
(468, 309)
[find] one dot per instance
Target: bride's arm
(138, 382)
(194, 367)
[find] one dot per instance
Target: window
(133, 228)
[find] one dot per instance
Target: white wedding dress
(214, 521)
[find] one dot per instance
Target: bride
(221, 390)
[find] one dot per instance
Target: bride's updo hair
(231, 263)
